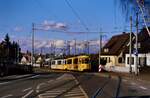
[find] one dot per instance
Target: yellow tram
(78, 63)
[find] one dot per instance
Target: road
(70, 85)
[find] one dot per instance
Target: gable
(116, 44)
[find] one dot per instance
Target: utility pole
(100, 45)
(88, 48)
(130, 47)
(136, 46)
(41, 50)
(54, 48)
(75, 47)
(68, 46)
(18, 50)
(32, 54)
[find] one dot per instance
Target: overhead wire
(77, 15)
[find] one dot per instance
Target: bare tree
(131, 7)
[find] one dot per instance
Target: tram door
(75, 63)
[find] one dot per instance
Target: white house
(148, 59)
(143, 51)
(114, 53)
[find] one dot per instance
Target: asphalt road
(69, 85)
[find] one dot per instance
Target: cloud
(59, 43)
(52, 25)
(40, 44)
(26, 44)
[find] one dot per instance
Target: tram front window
(85, 61)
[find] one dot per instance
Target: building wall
(111, 60)
(114, 66)
(148, 59)
(143, 60)
(120, 61)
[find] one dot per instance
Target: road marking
(75, 92)
(50, 81)
(133, 83)
(4, 83)
(61, 77)
(26, 89)
(38, 87)
(49, 96)
(7, 96)
(85, 94)
(124, 80)
(142, 87)
(56, 91)
(18, 80)
(71, 95)
(77, 97)
(20, 76)
(34, 76)
(26, 95)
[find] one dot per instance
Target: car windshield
(74, 48)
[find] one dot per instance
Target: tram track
(67, 86)
(100, 91)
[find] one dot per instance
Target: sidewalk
(143, 76)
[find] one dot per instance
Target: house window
(53, 62)
(132, 60)
(142, 61)
(120, 60)
(138, 45)
(106, 50)
(108, 60)
(59, 62)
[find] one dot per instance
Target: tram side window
(59, 62)
(75, 61)
(53, 62)
(80, 61)
(69, 61)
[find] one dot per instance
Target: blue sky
(17, 16)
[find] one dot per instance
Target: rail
(100, 90)
(61, 85)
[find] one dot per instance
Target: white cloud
(52, 25)
(26, 44)
(61, 26)
(59, 43)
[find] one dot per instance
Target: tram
(76, 63)
(58, 64)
